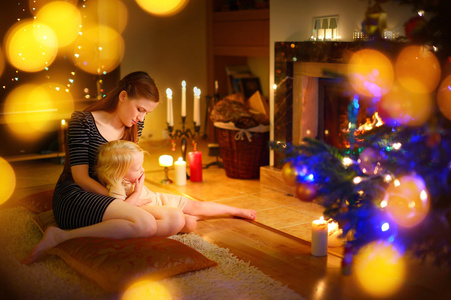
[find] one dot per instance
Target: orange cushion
(38, 202)
(115, 264)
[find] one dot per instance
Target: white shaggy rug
(51, 278)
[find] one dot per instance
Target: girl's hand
(139, 183)
(135, 197)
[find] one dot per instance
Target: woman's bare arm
(80, 174)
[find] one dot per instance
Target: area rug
(51, 278)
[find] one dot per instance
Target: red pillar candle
(195, 166)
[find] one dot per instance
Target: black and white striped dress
(72, 206)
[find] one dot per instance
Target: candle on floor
(180, 171)
(319, 237)
(195, 166)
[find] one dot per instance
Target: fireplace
(313, 93)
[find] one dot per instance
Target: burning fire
(374, 121)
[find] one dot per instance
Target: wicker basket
(242, 158)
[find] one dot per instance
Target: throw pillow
(116, 264)
(38, 202)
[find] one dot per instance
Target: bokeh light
(8, 179)
(111, 13)
(29, 111)
(99, 50)
(379, 268)
(368, 160)
(64, 19)
(401, 106)
(62, 102)
(31, 46)
(146, 289)
(36, 5)
(417, 69)
(289, 173)
(2, 61)
(162, 8)
(408, 202)
(444, 97)
(370, 73)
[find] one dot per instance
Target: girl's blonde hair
(114, 161)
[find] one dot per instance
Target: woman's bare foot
(246, 213)
(52, 237)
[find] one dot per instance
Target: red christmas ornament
(416, 29)
(306, 192)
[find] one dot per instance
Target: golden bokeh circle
(370, 73)
(408, 203)
(31, 46)
(379, 269)
(162, 8)
(8, 179)
(444, 97)
(29, 112)
(405, 107)
(110, 13)
(99, 50)
(417, 69)
(64, 18)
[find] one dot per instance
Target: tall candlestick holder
(183, 134)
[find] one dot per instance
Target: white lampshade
(165, 161)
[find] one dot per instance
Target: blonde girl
(120, 169)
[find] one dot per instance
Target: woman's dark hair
(137, 85)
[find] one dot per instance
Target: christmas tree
(391, 183)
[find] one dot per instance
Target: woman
(81, 205)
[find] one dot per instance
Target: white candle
(170, 112)
(319, 237)
(165, 161)
(183, 98)
(180, 171)
(196, 112)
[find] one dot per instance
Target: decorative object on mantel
(375, 21)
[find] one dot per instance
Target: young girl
(120, 170)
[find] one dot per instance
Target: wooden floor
(278, 242)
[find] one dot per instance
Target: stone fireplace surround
(299, 66)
